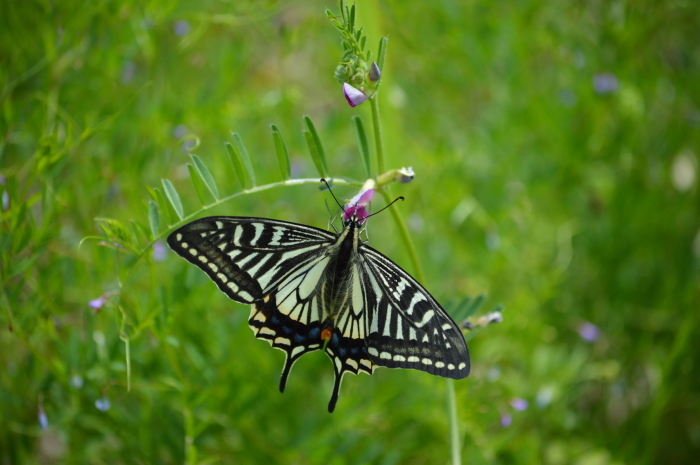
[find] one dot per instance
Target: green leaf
(282, 155)
(198, 183)
(381, 52)
(163, 204)
(245, 158)
(153, 218)
(315, 147)
(173, 197)
(206, 176)
(362, 144)
(117, 233)
(236, 163)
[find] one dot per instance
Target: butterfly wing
(407, 327)
(274, 265)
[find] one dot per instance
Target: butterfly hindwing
(409, 329)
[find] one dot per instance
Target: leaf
(362, 143)
(243, 153)
(163, 205)
(173, 197)
(381, 52)
(236, 163)
(198, 183)
(315, 147)
(119, 234)
(153, 218)
(206, 176)
(282, 155)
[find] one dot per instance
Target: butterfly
(312, 289)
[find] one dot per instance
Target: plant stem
(378, 141)
(406, 238)
(454, 427)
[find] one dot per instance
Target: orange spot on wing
(326, 334)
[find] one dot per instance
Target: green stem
(405, 237)
(378, 141)
(454, 427)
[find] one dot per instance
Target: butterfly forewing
(312, 289)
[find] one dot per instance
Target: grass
(556, 152)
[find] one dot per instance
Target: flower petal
(352, 95)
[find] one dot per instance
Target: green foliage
(556, 150)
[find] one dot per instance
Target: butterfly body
(311, 289)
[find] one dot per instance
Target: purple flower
(159, 251)
(103, 404)
(43, 419)
(506, 420)
(98, 302)
(605, 83)
(353, 96)
(519, 404)
(588, 331)
(182, 28)
(358, 206)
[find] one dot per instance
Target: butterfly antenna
(334, 197)
(392, 203)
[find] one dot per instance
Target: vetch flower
(159, 251)
(605, 83)
(506, 420)
(103, 404)
(352, 95)
(98, 302)
(519, 404)
(588, 331)
(358, 206)
(43, 419)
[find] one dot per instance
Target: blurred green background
(556, 150)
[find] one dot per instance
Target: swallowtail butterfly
(312, 289)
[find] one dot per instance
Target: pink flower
(358, 206)
(353, 96)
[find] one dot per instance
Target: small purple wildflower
(358, 206)
(103, 404)
(43, 419)
(76, 381)
(353, 96)
(159, 251)
(98, 302)
(588, 331)
(180, 131)
(182, 28)
(519, 404)
(506, 420)
(605, 83)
